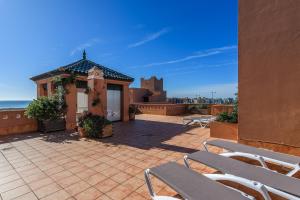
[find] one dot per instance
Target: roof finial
(84, 55)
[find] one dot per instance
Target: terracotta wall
(71, 101)
(71, 98)
(136, 95)
(217, 109)
(269, 72)
(152, 84)
(14, 122)
(162, 109)
(224, 130)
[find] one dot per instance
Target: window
(82, 102)
(81, 84)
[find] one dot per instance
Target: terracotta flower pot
(107, 131)
(131, 116)
(81, 132)
(52, 125)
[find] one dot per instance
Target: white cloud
(222, 91)
(194, 69)
(150, 37)
(199, 54)
(87, 44)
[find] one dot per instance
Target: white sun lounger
(258, 154)
(276, 183)
(203, 121)
(194, 186)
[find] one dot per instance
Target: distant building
(151, 90)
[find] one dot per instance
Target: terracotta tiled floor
(62, 166)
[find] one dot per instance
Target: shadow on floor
(148, 134)
(141, 134)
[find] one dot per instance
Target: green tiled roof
(82, 67)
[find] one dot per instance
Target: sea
(14, 104)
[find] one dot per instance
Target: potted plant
(132, 112)
(94, 126)
(198, 109)
(226, 125)
(49, 112)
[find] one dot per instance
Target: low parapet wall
(14, 121)
(161, 109)
(217, 109)
(224, 130)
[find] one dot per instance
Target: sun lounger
(261, 155)
(203, 121)
(279, 184)
(189, 184)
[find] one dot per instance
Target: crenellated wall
(13, 121)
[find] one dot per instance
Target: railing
(14, 121)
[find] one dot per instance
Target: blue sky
(191, 44)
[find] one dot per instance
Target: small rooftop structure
(93, 82)
(151, 90)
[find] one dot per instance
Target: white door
(113, 105)
(82, 102)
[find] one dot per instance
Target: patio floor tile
(89, 194)
(59, 195)
(46, 190)
(40, 183)
(121, 177)
(106, 185)
(19, 191)
(94, 179)
(11, 185)
(63, 166)
(28, 196)
(119, 192)
(65, 182)
(77, 188)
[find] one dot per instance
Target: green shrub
(93, 124)
(232, 117)
(132, 109)
(196, 108)
(46, 108)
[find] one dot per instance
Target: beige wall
(269, 71)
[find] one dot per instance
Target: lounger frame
(151, 190)
(261, 159)
(251, 184)
(259, 187)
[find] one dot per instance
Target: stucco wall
(136, 95)
(71, 98)
(14, 121)
(217, 109)
(161, 109)
(269, 71)
(224, 130)
(152, 84)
